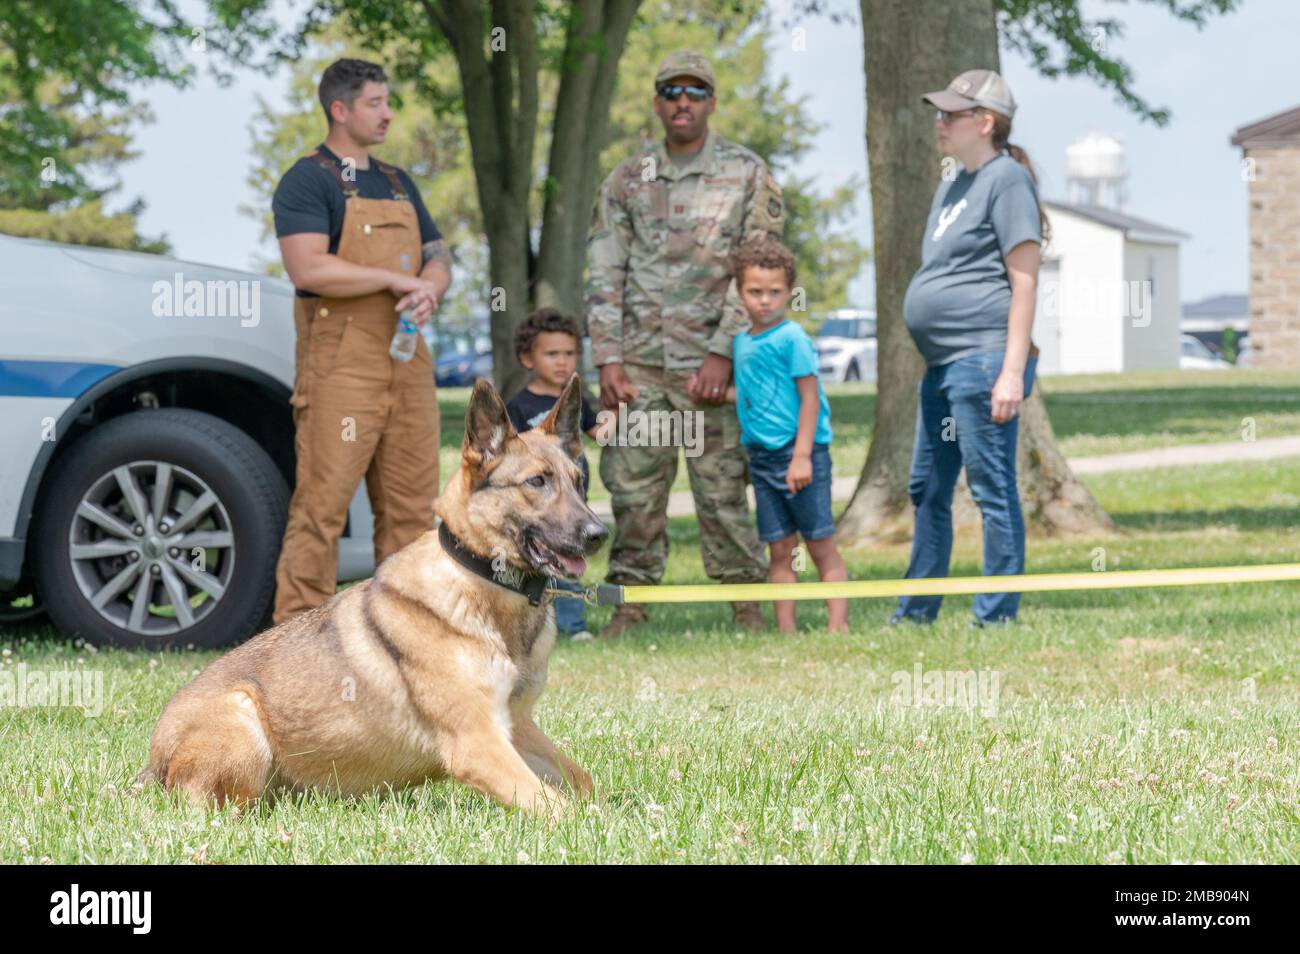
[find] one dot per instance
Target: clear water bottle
(406, 340)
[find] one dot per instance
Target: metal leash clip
(598, 594)
(604, 594)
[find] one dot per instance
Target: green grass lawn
(1127, 727)
(1091, 414)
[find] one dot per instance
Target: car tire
(853, 372)
(20, 607)
(203, 491)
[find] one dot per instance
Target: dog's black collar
(531, 585)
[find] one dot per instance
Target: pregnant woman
(969, 309)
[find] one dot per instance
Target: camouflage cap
(685, 63)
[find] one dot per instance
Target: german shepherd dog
(428, 670)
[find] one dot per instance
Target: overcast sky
(1239, 69)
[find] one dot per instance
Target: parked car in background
(147, 443)
(846, 345)
(1195, 356)
(459, 360)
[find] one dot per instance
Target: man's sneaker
(626, 617)
(748, 616)
(581, 636)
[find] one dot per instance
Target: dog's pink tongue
(576, 567)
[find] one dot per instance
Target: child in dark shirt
(547, 345)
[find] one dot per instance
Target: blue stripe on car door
(49, 378)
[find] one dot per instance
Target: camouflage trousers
(640, 475)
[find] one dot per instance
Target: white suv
(146, 446)
(846, 346)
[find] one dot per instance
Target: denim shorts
(781, 513)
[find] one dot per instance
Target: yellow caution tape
(613, 595)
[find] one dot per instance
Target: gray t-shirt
(959, 300)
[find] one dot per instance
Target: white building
(1108, 288)
(1107, 293)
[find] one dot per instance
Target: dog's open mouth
(547, 559)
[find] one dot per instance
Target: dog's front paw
(581, 783)
(550, 803)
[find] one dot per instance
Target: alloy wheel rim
(152, 548)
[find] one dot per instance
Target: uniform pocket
(328, 342)
(729, 460)
(716, 220)
(716, 208)
(730, 429)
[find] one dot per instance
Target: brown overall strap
(332, 167)
(390, 173)
(350, 188)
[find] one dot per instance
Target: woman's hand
(1008, 393)
(800, 472)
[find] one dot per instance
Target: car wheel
(853, 373)
(161, 528)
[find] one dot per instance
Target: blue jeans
(570, 614)
(954, 427)
(781, 513)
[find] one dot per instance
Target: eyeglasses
(696, 94)
(947, 118)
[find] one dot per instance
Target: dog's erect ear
(565, 419)
(487, 426)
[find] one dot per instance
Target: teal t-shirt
(767, 400)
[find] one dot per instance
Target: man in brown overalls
(361, 249)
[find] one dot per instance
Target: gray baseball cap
(975, 88)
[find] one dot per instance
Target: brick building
(1271, 167)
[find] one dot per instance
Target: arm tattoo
(435, 251)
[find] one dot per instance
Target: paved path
(1184, 455)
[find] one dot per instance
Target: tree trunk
(595, 39)
(1054, 501)
(501, 99)
(501, 107)
(911, 47)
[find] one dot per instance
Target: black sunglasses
(696, 94)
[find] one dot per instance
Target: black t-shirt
(527, 410)
(308, 199)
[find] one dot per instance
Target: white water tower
(1095, 172)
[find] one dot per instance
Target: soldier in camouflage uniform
(662, 311)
